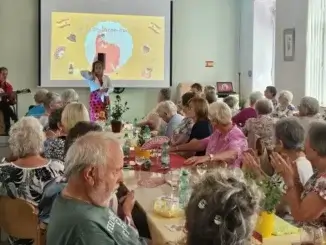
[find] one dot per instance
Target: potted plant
(273, 195)
(118, 109)
(143, 136)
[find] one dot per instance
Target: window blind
(316, 51)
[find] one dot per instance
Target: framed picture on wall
(289, 44)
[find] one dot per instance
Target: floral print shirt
(27, 184)
(55, 148)
(317, 184)
(182, 133)
(281, 111)
(262, 127)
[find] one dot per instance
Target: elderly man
(80, 215)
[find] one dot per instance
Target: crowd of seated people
(69, 168)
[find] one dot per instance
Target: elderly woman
(152, 119)
(226, 144)
(26, 177)
(249, 112)
(182, 133)
(54, 145)
(289, 137)
(168, 111)
(68, 96)
(222, 209)
(307, 202)
(52, 101)
(284, 108)
(38, 110)
(308, 111)
(233, 103)
(261, 127)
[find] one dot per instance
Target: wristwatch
(211, 157)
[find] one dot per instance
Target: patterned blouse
(281, 112)
(263, 127)
(317, 184)
(182, 133)
(27, 184)
(233, 140)
(54, 148)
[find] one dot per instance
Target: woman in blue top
(100, 86)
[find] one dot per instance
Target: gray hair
(69, 96)
(167, 107)
(223, 208)
(309, 106)
(40, 96)
(255, 96)
(290, 132)
(264, 106)
(51, 98)
(286, 95)
(220, 112)
(317, 138)
(231, 101)
(26, 137)
(89, 150)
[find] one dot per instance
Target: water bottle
(126, 146)
(134, 128)
(184, 188)
(147, 133)
(165, 157)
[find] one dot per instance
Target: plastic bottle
(165, 156)
(184, 188)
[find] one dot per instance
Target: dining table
(158, 225)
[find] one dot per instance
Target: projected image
(133, 45)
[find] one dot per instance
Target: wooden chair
(2, 124)
(18, 218)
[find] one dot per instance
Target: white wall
(291, 75)
(203, 30)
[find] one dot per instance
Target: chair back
(18, 218)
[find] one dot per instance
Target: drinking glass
(173, 179)
(201, 169)
(139, 160)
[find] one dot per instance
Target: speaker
(101, 57)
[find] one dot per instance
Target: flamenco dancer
(100, 87)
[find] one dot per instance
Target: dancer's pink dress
(98, 101)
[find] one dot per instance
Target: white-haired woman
(222, 209)
(249, 112)
(68, 96)
(168, 111)
(26, 177)
(309, 111)
(226, 144)
(52, 101)
(284, 107)
(261, 127)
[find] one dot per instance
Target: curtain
(316, 51)
(263, 44)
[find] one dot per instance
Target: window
(316, 51)
(263, 44)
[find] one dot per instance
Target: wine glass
(310, 235)
(174, 177)
(201, 169)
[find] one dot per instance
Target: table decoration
(155, 142)
(143, 136)
(118, 109)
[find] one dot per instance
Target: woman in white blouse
(100, 86)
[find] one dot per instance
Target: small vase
(116, 126)
(265, 224)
